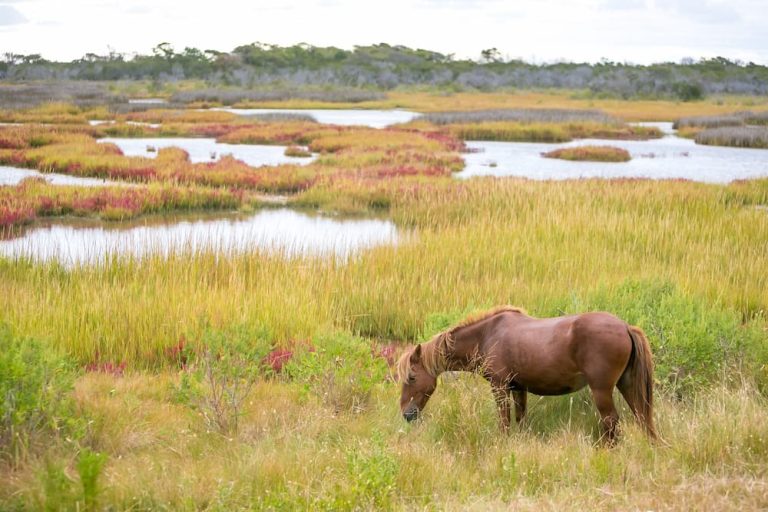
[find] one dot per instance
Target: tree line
(384, 67)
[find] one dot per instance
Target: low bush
(35, 386)
(227, 367)
(341, 370)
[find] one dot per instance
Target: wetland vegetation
(204, 378)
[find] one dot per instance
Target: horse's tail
(639, 380)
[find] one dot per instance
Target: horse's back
(555, 355)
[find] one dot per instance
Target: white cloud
(10, 16)
(622, 30)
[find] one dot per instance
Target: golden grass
(296, 453)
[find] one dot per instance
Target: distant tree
(164, 50)
(490, 55)
(688, 91)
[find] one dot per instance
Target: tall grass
(545, 246)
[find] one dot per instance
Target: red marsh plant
(109, 367)
(35, 197)
(590, 154)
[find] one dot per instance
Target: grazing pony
(517, 353)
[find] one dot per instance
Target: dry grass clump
(590, 154)
(736, 136)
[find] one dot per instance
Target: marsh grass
(590, 154)
(736, 136)
(548, 246)
(528, 115)
(534, 125)
(735, 119)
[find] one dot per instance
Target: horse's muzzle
(411, 414)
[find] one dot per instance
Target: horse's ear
(416, 354)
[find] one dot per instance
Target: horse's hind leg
(625, 387)
(609, 418)
(521, 399)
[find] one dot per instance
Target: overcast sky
(639, 31)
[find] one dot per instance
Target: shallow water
(208, 150)
(667, 158)
(342, 117)
(283, 231)
(97, 122)
(147, 101)
(14, 175)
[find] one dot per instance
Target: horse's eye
(411, 379)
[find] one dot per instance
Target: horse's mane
(434, 351)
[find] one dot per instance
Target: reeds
(735, 119)
(736, 136)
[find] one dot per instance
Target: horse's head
(418, 383)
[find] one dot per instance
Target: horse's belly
(554, 387)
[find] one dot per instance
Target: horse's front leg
(501, 394)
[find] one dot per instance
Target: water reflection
(670, 157)
(208, 150)
(13, 176)
(284, 231)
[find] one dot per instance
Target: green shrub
(372, 471)
(341, 370)
(686, 91)
(35, 386)
(226, 368)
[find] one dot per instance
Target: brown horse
(517, 353)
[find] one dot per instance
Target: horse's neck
(466, 346)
